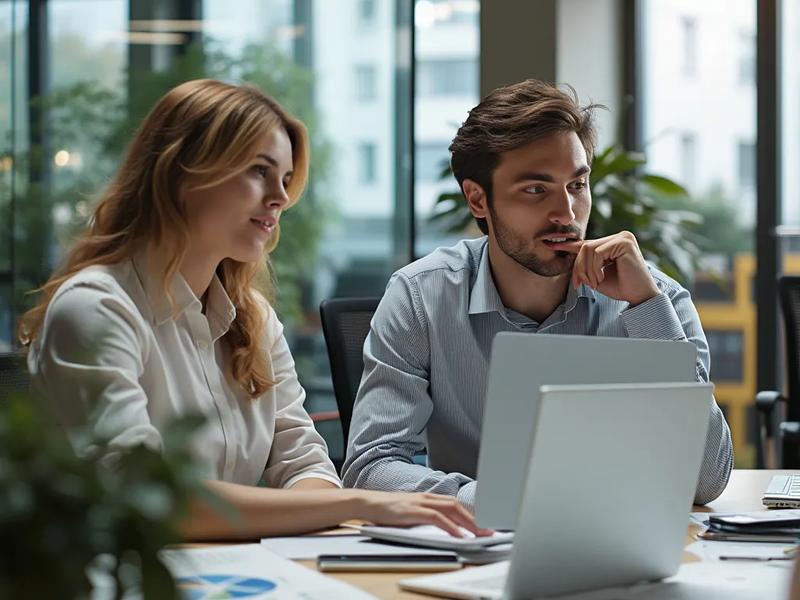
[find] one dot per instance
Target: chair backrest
(13, 375)
(345, 323)
(789, 292)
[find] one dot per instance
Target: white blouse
(113, 356)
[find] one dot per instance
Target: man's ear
(476, 198)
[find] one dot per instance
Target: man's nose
(561, 212)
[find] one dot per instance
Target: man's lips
(555, 241)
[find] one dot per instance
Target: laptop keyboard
(495, 583)
(783, 491)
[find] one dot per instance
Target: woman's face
(236, 218)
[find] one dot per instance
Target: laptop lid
(609, 486)
(520, 364)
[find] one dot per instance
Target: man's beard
(517, 248)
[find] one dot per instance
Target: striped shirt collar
(484, 297)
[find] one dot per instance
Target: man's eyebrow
(530, 176)
(272, 161)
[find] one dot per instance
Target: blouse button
(202, 345)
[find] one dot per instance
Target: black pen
(759, 558)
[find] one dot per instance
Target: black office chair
(345, 323)
(13, 375)
(781, 441)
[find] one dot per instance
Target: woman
(155, 314)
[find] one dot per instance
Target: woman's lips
(267, 225)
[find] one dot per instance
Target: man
(522, 159)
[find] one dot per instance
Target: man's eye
(535, 189)
(579, 185)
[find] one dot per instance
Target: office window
(431, 13)
(726, 355)
(366, 12)
(447, 77)
(446, 90)
(696, 130)
(431, 158)
(746, 159)
(746, 69)
(790, 120)
(365, 83)
(688, 27)
(687, 152)
(367, 163)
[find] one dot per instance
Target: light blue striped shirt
(426, 362)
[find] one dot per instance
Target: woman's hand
(398, 508)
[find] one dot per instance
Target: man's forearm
(400, 475)
(718, 459)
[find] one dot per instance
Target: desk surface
(743, 493)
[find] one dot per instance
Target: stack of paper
(759, 526)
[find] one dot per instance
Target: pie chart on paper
(219, 587)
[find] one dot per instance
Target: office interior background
(708, 91)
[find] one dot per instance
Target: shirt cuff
(314, 475)
(466, 495)
(654, 319)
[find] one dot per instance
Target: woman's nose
(277, 197)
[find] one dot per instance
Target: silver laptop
(783, 492)
(610, 480)
(520, 364)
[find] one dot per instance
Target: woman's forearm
(268, 512)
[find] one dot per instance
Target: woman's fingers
(446, 512)
(456, 512)
(442, 522)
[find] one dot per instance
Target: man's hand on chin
(612, 265)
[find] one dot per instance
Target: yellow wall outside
(740, 315)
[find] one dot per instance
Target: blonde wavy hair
(206, 128)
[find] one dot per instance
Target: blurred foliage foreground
(108, 511)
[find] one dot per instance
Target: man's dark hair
(511, 117)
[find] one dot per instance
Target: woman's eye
(261, 170)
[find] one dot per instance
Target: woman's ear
(476, 198)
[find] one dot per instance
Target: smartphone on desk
(376, 562)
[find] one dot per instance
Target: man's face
(540, 194)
